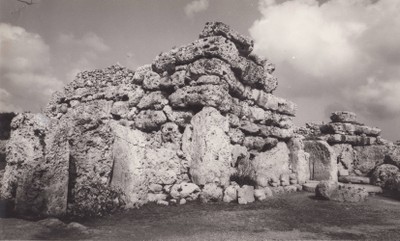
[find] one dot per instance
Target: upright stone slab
(36, 175)
(271, 164)
(207, 148)
(323, 163)
(129, 167)
(299, 160)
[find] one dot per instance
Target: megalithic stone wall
(200, 114)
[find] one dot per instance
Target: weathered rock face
(341, 193)
(200, 115)
(299, 160)
(368, 157)
(36, 176)
(385, 176)
(323, 164)
(5, 129)
(207, 148)
(272, 164)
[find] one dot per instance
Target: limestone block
(384, 176)
(368, 157)
(36, 175)
(211, 193)
(272, 163)
(155, 100)
(354, 179)
(344, 116)
(332, 191)
(323, 161)
(259, 194)
(393, 156)
(188, 191)
(259, 143)
(204, 95)
(179, 117)
(230, 193)
(243, 43)
(207, 148)
(246, 194)
(299, 160)
(148, 120)
(270, 102)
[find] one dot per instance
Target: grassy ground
(291, 216)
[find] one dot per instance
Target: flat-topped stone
(310, 186)
(367, 187)
(354, 179)
(344, 116)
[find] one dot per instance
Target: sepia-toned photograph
(199, 120)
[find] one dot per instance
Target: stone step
(310, 186)
(367, 187)
(354, 179)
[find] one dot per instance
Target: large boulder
(331, 190)
(393, 156)
(207, 148)
(323, 162)
(368, 157)
(384, 176)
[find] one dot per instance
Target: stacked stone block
(173, 131)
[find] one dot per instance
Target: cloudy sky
(329, 55)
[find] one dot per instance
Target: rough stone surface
(354, 179)
(243, 44)
(384, 176)
(207, 148)
(333, 191)
(188, 191)
(230, 193)
(200, 114)
(323, 164)
(368, 157)
(299, 159)
(246, 194)
(393, 156)
(343, 116)
(211, 193)
(36, 175)
(271, 164)
(259, 194)
(345, 157)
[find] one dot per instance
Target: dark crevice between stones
(71, 181)
(42, 142)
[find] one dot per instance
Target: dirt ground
(285, 217)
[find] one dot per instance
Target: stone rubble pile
(201, 122)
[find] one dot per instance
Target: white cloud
(345, 49)
(26, 79)
(196, 6)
